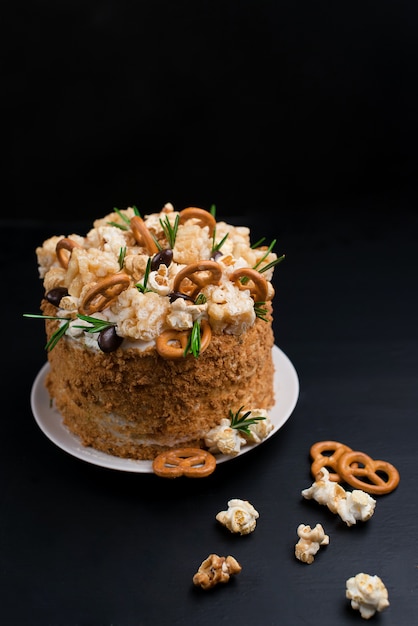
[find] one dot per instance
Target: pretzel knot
(192, 278)
(190, 462)
(103, 293)
(257, 284)
(203, 217)
(360, 471)
(142, 235)
(65, 244)
(171, 344)
(330, 462)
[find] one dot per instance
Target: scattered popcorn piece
(240, 517)
(350, 506)
(216, 569)
(224, 439)
(367, 593)
(310, 540)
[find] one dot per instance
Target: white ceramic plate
(286, 386)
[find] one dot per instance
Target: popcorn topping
(122, 242)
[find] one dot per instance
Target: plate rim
(46, 418)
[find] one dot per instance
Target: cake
(159, 329)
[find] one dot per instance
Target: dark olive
(163, 257)
(109, 340)
(216, 254)
(54, 296)
(173, 295)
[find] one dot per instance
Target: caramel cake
(159, 330)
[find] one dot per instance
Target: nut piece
(216, 569)
(350, 506)
(367, 593)
(240, 517)
(310, 540)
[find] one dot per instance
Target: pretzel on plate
(189, 462)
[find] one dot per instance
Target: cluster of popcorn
(228, 440)
(143, 316)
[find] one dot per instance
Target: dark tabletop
(82, 545)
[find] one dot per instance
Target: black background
(300, 118)
(246, 105)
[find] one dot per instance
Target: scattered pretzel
(320, 460)
(171, 344)
(65, 244)
(142, 235)
(204, 217)
(360, 471)
(190, 462)
(196, 276)
(103, 293)
(257, 284)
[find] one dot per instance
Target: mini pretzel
(204, 217)
(360, 471)
(199, 274)
(257, 286)
(190, 462)
(65, 244)
(321, 460)
(142, 235)
(103, 293)
(171, 344)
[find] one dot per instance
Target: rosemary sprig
(121, 257)
(217, 246)
(243, 422)
(193, 343)
(142, 287)
(97, 325)
(212, 210)
(56, 336)
(124, 218)
(260, 312)
(170, 231)
(201, 299)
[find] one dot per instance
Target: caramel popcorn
(216, 569)
(224, 439)
(240, 517)
(368, 594)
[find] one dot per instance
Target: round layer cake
(159, 328)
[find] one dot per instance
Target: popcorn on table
(310, 540)
(216, 569)
(350, 506)
(368, 594)
(240, 517)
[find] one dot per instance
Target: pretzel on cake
(257, 284)
(142, 235)
(190, 462)
(360, 471)
(171, 344)
(65, 244)
(103, 293)
(204, 217)
(192, 278)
